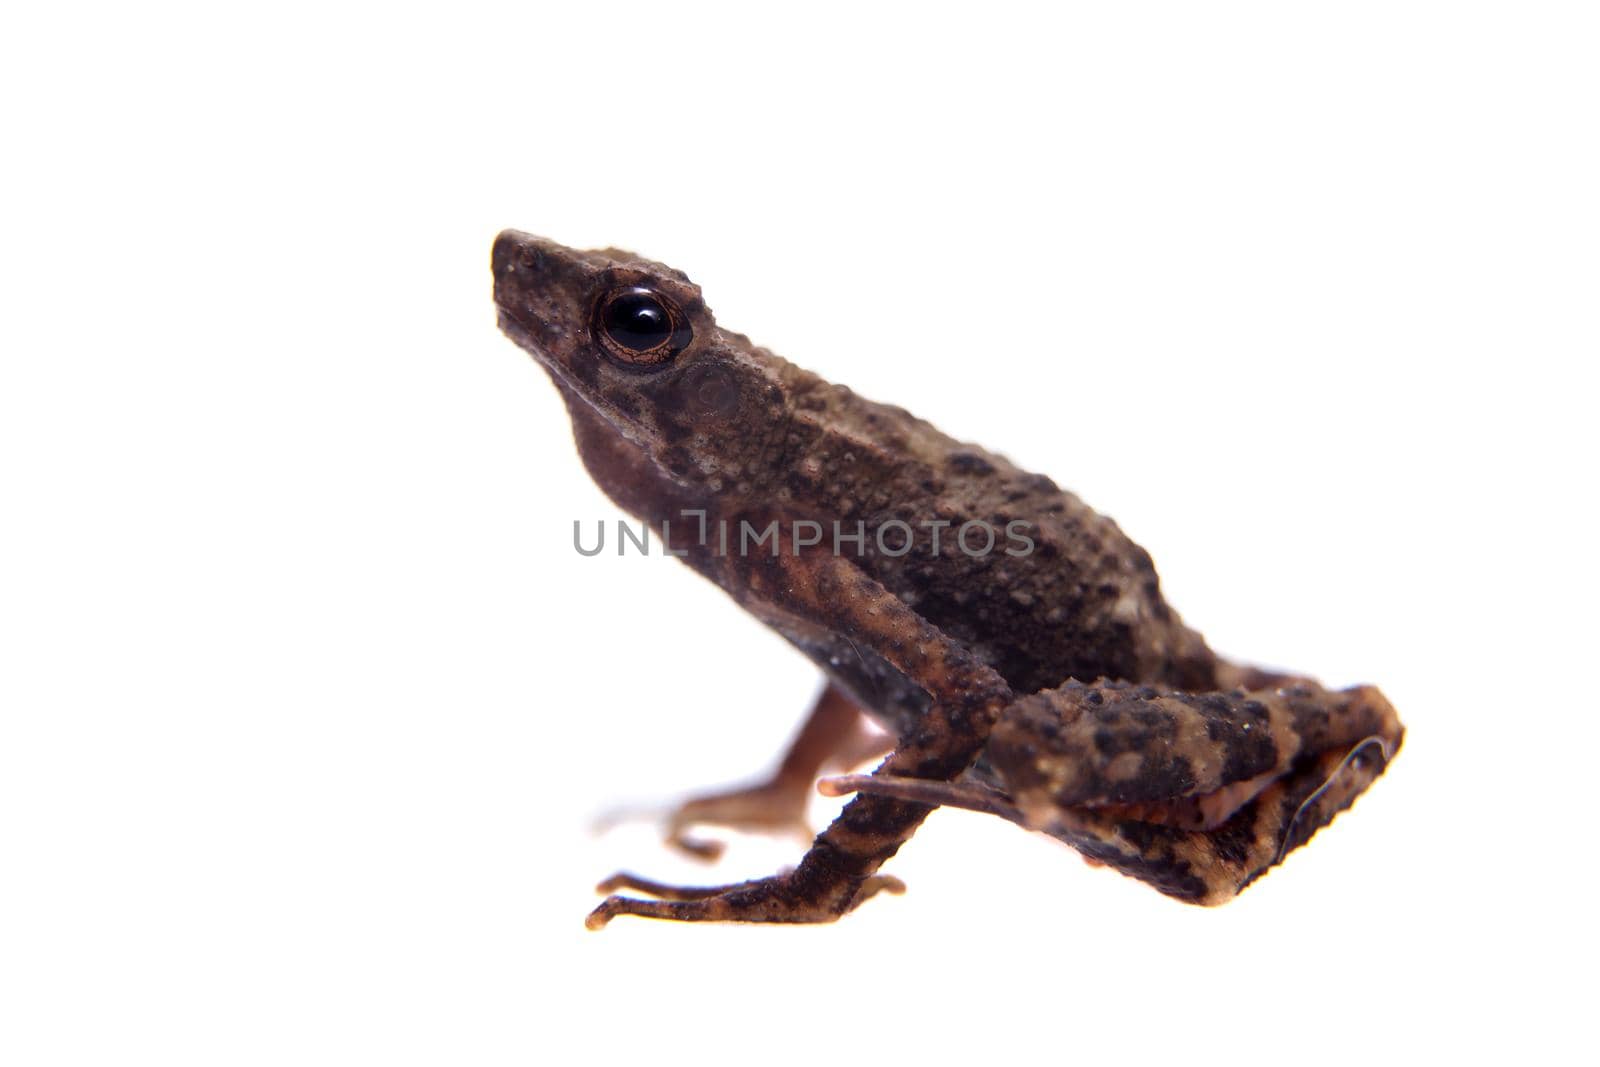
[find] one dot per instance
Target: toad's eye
(640, 327)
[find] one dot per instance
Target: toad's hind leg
(835, 733)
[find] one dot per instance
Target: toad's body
(935, 635)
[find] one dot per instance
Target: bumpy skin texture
(935, 645)
(1196, 794)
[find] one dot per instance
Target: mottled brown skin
(937, 647)
(1196, 794)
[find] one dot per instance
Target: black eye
(637, 320)
(640, 327)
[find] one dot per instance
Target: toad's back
(1061, 593)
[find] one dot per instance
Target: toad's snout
(522, 267)
(543, 291)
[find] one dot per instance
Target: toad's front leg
(838, 871)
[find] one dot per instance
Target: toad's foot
(836, 733)
(779, 899)
(776, 807)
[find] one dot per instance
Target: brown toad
(1014, 643)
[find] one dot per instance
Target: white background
(309, 704)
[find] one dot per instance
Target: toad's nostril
(504, 255)
(516, 252)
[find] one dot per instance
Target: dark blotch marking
(969, 463)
